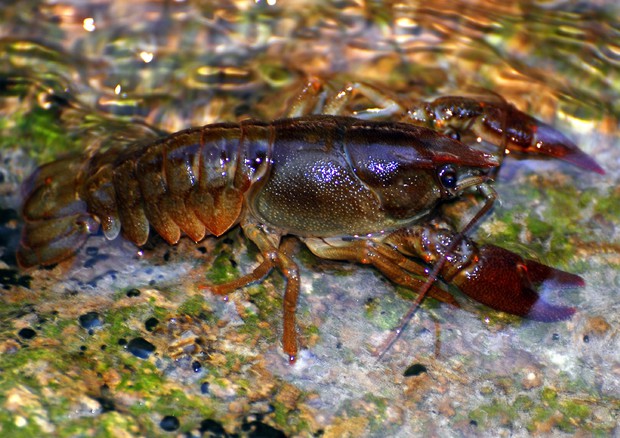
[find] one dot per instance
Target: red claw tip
(554, 144)
(505, 281)
(556, 278)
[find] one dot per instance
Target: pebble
(131, 293)
(258, 429)
(532, 379)
(27, 333)
(597, 325)
(91, 320)
(212, 428)
(140, 347)
(169, 423)
(150, 324)
(414, 370)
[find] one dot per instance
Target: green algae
(551, 231)
(195, 306)
(565, 413)
(523, 403)
(54, 327)
(124, 322)
(281, 414)
(11, 424)
(312, 330)
(39, 131)
(606, 203)
(385, 315)
(548, 395)
(114, 424)
(137, 376)
(269, 306)
(496, 412)
(575, 413)
(222, 270)
(550, 409)
(177, 402)
(20, 366)
(378, 415)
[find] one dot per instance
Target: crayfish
(349, 186)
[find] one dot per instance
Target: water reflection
(188, 50)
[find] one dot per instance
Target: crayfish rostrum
(349, 188)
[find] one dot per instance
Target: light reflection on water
(180, 57)
(106, 66)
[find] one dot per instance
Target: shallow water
(75, 74)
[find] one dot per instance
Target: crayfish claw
(509, 283)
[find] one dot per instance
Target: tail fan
(57, 222)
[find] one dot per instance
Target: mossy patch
(223, 269)
(40, 131)
(557, 410)
(194, 306)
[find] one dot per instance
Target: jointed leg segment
(316, 98)
(273, 257)
(387, 260)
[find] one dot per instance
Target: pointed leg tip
(563, 280)
(584, 161)
(571, 153)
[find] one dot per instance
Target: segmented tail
(57, 222)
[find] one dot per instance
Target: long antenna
(491, 195)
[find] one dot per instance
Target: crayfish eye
(455, 135)
(448, 177)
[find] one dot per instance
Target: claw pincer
(507, 282)
(501, 124)
(491, 275)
